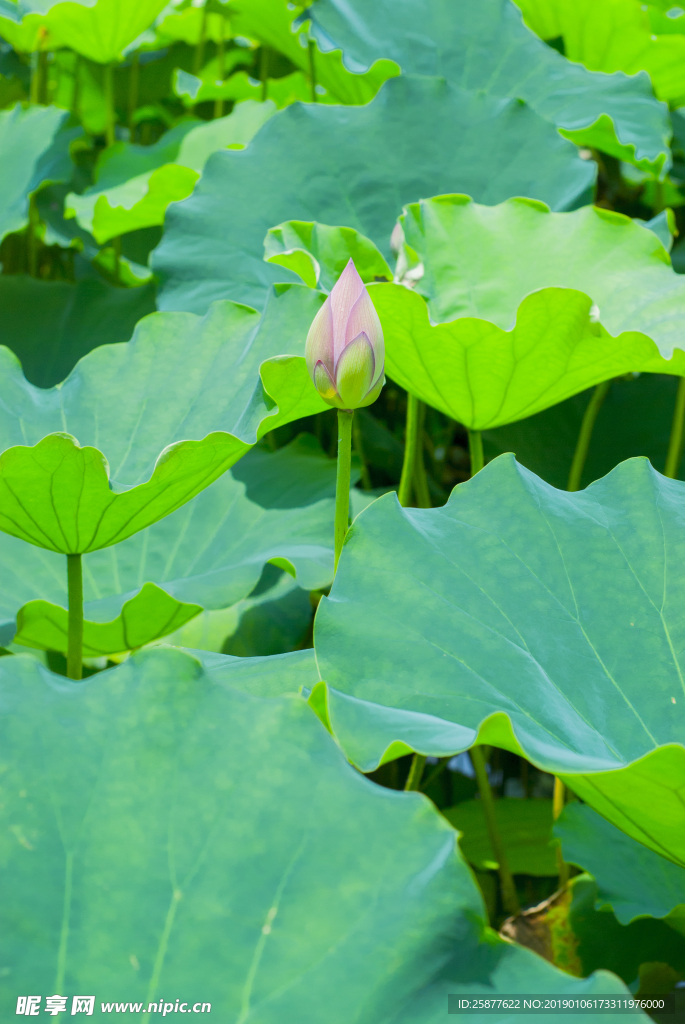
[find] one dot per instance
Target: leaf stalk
(75, 621)
(584, 437)
(510, 899)
(675, 443)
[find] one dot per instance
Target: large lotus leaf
(635, 419)
(540, 621)
(632, 880)
(525, 828)
(486, 46)
(49, 325)
(126, 198)
(274, 24)
(615, 35)
(208, 554)
(170, 837)
(355, 167)
(484, 376)
(34, 152)
(180, 376)
(483, 260)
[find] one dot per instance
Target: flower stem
(675, 444)
(585, 435)
(342, 483)
(558, 801)
(75, 626)
(415, 772)
(476, 451)
(411, 444)
(359, 449)
(509, 898)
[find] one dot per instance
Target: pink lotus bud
(345, 352)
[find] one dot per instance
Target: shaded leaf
(528, 618)
(486, 46)
(49, 325)
(234, 821)
(631, 879)
(34, 153)
(526, 830)
(355, 166)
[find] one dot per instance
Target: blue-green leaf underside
(240, 845)
(530, 618)
(356, 167)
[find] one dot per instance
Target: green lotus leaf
(150, 614)
(102, 30)
(526, 830)
(241, 86)
(645, 954)
(611, 112)
(275, 24)
(632, 880)
(125, 198)
(482, 261)
(635, 419)
(49, 325)
(288, 520)
(35, 151)
(318, 162)
(484, 376)
(139, 403)
(318, 253)
(274, 676)
(540, 621)
(239, 845)
(615, 35)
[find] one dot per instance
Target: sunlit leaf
(318, 253)
(126, 198)
(209, 554)
(484, 376)
(615, 35)
(214, 378)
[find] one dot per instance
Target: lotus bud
(345, 352)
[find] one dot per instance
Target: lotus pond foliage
(342, 507)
